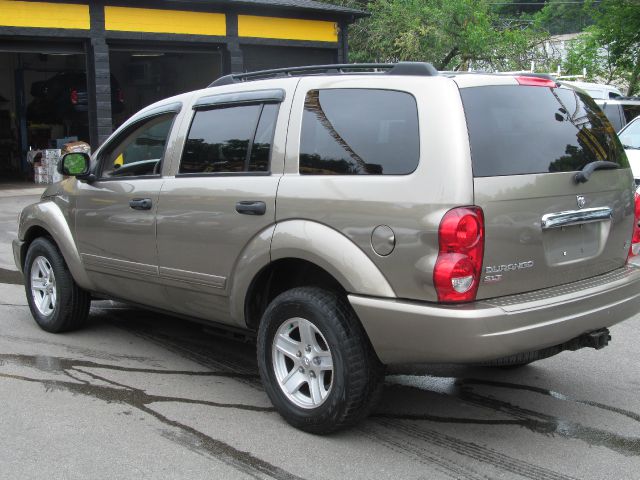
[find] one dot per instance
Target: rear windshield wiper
(583, 175)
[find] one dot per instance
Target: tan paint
(332, 251)
(48, 215)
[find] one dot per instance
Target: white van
(597, 90)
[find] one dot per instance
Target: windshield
(630, 137)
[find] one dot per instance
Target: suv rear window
(517, 130)
(359, 132)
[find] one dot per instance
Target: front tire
(316, 362)
(56, 302)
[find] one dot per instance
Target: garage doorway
(43, 101)
(148, 73)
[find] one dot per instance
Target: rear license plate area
(573, 243)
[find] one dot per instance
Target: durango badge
(494, 272)
(509, 267)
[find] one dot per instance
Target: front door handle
(140, 203)
(251, 207)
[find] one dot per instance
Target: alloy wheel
(302, 362)
(43, 286)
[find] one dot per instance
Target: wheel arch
(278, 277)
(46, 219)
(300, 253)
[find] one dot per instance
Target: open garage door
(147, 73)
(43, 101)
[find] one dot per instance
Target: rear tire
(316, 362)
(55, 300)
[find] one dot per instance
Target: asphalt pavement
(140, 395)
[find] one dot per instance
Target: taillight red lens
(536, 81)
(120, 96)
(635, 237)
(456, 274)
(74, 96)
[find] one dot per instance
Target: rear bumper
(415, 332)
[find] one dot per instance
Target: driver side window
(140, 151)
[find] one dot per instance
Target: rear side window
(516, 130)
(231, 139)
(359, 132)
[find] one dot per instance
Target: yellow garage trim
(127, 19)
(287, 28)
(43, 15)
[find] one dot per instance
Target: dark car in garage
(62, 97)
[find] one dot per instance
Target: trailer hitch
(596, 339)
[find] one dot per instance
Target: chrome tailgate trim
(575, 217)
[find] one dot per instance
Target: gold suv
(353, 217)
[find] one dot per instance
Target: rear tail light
(461, 239)
(74, 96)
(635, 238)
(120, 96)
(536, 81)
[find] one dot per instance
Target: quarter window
(359, 132)
(230, 139)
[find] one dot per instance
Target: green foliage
(559, 16)
(451, 34)
(489, 34)
(610, 48)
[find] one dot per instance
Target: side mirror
(74, 164)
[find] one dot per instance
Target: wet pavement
(140, 394)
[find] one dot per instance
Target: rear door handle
(140, 203)
(251, 207)
(575, 217)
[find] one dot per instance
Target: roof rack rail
(400, 68)
(546, 76)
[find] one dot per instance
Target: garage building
(77, 70)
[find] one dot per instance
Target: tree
(586, 53)
(451, 34)
(610, 48)
(562, 16)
